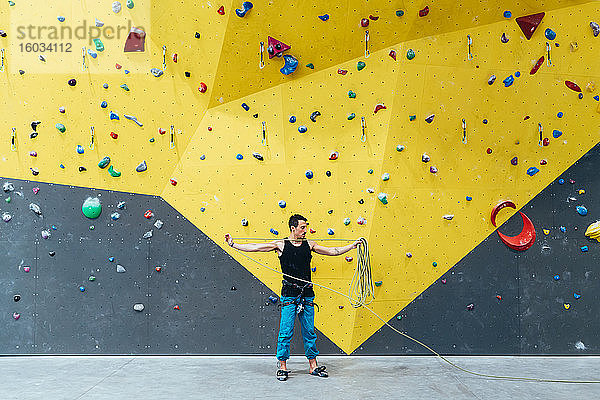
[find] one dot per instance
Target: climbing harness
(299, 300)
(499, 377)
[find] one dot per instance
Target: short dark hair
(294, 220)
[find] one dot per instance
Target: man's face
(300, 230)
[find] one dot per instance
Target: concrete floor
(253, 377)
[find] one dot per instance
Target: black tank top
(295, 261)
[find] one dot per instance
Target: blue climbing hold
(291, 63)
(584, 249)
(104, 104)
(560, 114)
(581, 210)
(576, 295)
(469, 198)
(561, 181)
(202, 157)
(273, 299)
(324, 17)
(273, 231)
(556, 277)
(246, 6)
(80, 149)
(556, 133)
(60, 18)
(370, 171)
(517, 74)
(113, 115)
(81, 289)
(111, 259)
(309, 174)
(239, 156)
(282, 203)
(245, 106)
(563, 229)
(550, 34)
(485, 121)
(508, 81)
(292, 119)
(330, 231)
(105, 85)
(302, 129)
(597, 98)
(531, 171)
(400, 148)
(92, 54)
(507, 14)
(62, 166)
(202, 209)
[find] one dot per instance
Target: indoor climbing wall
(401, 122)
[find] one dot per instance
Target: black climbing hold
(255, 115)
(21, 72)
(187, 74)
(258, 156)
(17, 297)
(51, 253)
(2, 33)
(33, 135)
(328, 173)
(35, 124)
(81, 169)
(314, 115)
(72, 82)
(197, 35)
(233, 288)
(330, 212)
(361, 201)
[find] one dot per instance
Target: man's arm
(332, 251)
(264, 247)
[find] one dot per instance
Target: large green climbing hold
(360, 65)
(104, 162)
(7, 199)
(91, 207)
(113, 173)
(61, 128)
(99, 45)
(130, 4)
(410, 54)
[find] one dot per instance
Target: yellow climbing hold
(581, 191)
(567, 306)
(593, 231)
(546, 231)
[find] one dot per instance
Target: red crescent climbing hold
(573, 86)
(529, 23)
(379, 107)
(500, 206)
(537, 66)
(523, 240)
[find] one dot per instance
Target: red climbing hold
(176, 307)
(276, 48)
(342, 71)
(537, 66)
(158, 268)
(543, 161)
(135, 40)
(364, 22)
(173, 181)
(221, 10)
(424, 11)
(523, 240)
(312, 230)
(373, 17)
(113, 135)
(175, 57)
(546, 141)
(573, 86)
(118, 66)
(148, 214)
(529, 23)
(393, 54)
(202, 87)
(499, 297)
(161, 131)
(489, 150)
(379, 107)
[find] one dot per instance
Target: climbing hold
(276, 47)
(273, 231)
(113, 173)
(314, 115)
(508, 81)
(239, 156)
(531, 171)
(412, 117)
(104, 162)
(302, 129)
(537, 65)
(444, 281)
(489, 150)
(504, 38)
(434, 264)
(563, 229)
(378, 283)
(113, 135)
(507, 14)
(393, 54)
(258, 156)
(173, 181)
(546, 231)
(556, 133)
(330, 232)
(113, 115)
(410, 54)
(423, 12)
(360, 65)
(202, 88)
(141, 167)
(543, 161)
(593, 231)
(584, 249)
(364, 22)
(399, 13)
(246, 6)
(529, 23)
(80, 149)
(99, 45)
(400, 148)
(81, 288)
(116, 7)
(124, 87)
(324, 17)
(429, 119)
(499, 297)
(491, 79)
(469, 198)
(382, 197)
(346, 221)
(448, 217)
(342, 71)
(470, 307)
(333, 155)
(576, 295)
(581, 210)
(26, 268)
(514, 161)
(378, 107)
(16, 315)
(121, 205)
(291, 63)
(104, 104)
(361, 221)
(282, 203)
(573, 86)
(550, 34)
(91, 207)
(523, 240)
(221, 10)
(92, 278)
(138, 307)
(147, 235)
(292, 119)
(129, 4)
(245, 106)
(351, 94)
(35, 209)
(485, 121)
(595, 28)
(309, 174)
(409, 255)
(370, 171)
(72, 82)
(115, 216)
(156, 72)
(385, 176)
(425, 158)
(61, 128)
(6, 217)
(351, 116)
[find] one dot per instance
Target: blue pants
(307, 325)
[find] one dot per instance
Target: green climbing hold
(99, 45)
(130, 4)
(410, 54)
(11, 3)
(125, 87)
(351, 94)
(360, 65)
(399, 13)
(378, 283)
(310, 65)
(104, 162)
(61, 128)
(7, 199)
(412, 117)
(91, 207)
(434, 264)
(399, 317)
(92, 227)
(113, 173)
(92, 278)
(351, 116)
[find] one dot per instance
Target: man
(296, 295)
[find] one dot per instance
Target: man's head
(298, 226)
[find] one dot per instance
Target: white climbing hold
(99, 23)
(448, 217)
(120, 268)
(138, 307)
(8, 187)
(158, 224)
(148, 234)
(116, 7)
(35, 208)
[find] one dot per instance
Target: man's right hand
(229, 239)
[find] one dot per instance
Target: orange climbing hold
(529, 23)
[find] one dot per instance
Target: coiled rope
(362, 283)
(364, 260)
